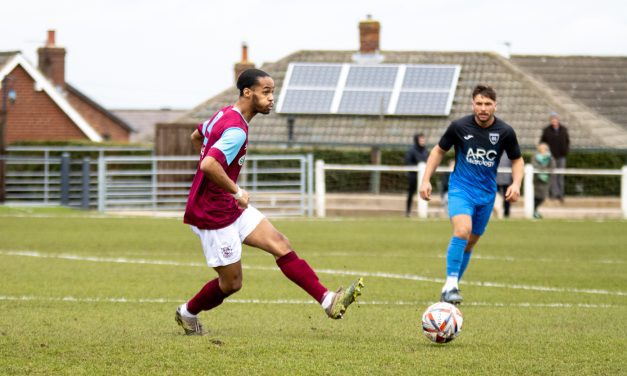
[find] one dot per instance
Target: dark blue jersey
(477, 154)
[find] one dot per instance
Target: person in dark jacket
(556, 136)
(416, 154)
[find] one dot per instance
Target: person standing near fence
(479, 140)
(417, 153)
(556, 136)
(219, 213)
(542, 160)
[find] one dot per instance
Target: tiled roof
(524, 101)
(599, 82)
(123, 124)
(144, 121)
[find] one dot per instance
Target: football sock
(465, 261)
(451, 283)
(328, 299)
(185, 312)
(299, 272)
(210, 296)
(454, 256)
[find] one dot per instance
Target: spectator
(542, 161)
(417, 153)
(503, 180)
(556, 136)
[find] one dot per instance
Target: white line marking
(392, 254)
(72, 299)
(119, 260)
(472, 283)
(409, 277)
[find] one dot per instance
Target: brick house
(42, 106)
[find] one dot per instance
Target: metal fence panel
(277, 184)
(280, 185)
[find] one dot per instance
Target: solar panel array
(388, 89)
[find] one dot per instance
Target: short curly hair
(249, 78)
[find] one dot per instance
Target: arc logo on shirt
(241, 160)
(494, 138)
(481, 157)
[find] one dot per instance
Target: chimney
(52, 61)
(369, 36)
(244, 64)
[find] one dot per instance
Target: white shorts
(224, 246)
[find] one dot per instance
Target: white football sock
(451, 283)
(185, 312)
(327, 300)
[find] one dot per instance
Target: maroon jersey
(226, 137)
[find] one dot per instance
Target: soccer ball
(442, 322)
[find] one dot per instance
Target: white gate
(279, 185)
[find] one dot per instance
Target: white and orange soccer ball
(442, 322)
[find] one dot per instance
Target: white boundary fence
(423, 206)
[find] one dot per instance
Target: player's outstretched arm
(434, 160)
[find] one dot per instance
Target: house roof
(13, 59)
(598, 82)
(84, 98)
(525, 101)
(144, 121)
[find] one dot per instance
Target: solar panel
(428, 78)
(315, 76)
(390, 89)
(308, 101)
(426, 103)
(371, 77)
(364, 102)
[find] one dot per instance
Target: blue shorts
(460, 202)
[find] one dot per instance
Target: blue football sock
(454, 256)
(465, 261)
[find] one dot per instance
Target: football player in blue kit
(479, 140)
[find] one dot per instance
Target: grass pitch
(84, 294)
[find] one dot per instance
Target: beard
(261, 109)
(484, 118)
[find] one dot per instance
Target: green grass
(68, 308)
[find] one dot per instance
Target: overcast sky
(176, 54)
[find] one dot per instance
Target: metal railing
(35, 174)
(50, 181)
(280, 185)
